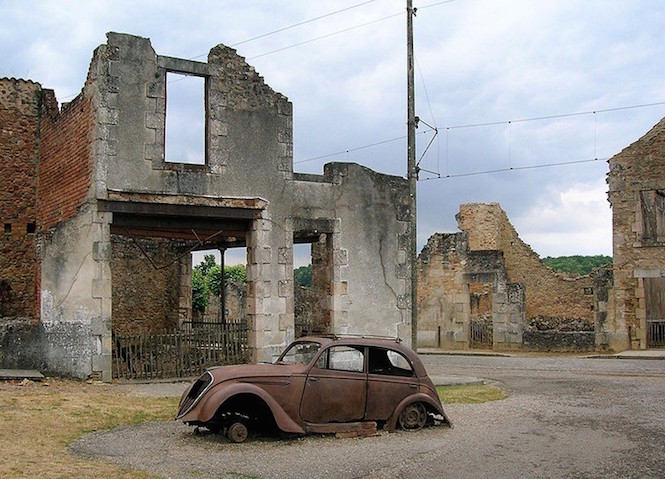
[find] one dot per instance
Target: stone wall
(20, 103)
(486, 271)
(636, 190)
(548, 293)
(103, 181)
(146, 286)
(236, 304)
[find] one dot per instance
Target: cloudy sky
(525, 94)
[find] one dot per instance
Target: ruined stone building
(636, 182)
(99, 218)
(484, 287)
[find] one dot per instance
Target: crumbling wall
(20, 103)
(235, 297)
(65, 165)
(636, 180)
(548, 293)
(487, 274)
(106, 181)
(146, 284)
(443, 305)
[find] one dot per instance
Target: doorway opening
(312, 283)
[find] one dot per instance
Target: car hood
(249, 372)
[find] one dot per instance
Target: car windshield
(299, 353)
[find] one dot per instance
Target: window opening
(389, 363)
(8, 228)
(652, 206)
(185, 119)
(345, 358)
(30, 228)
(212, 304)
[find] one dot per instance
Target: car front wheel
(413, 417)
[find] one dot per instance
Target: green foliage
(303, 276)
(214, 280)
(235, 274)
(207, 264)
(207, 279)
(199, 291)
(580, 265)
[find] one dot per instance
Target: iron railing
(481, 334)
(183, 352)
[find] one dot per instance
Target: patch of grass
(39, 422)
(472, 394)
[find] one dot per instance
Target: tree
(207, 280)
(303, 276)
(580, 265)
(199, 291)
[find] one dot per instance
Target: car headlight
(195, 393)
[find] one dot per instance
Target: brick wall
(66, 161)
(19, 153)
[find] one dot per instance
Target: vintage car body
(318, 385)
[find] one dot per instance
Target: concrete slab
(633, 354)
(13, 374)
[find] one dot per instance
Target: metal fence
(481, 334)
(179, 353)
(656, 333)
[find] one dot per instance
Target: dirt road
(565, 418)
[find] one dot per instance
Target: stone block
(340, 288)
(285, 321)
(285, 256)
(341, 319)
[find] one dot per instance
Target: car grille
(194, 394)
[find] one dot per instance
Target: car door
(390, 379)
(336, 387)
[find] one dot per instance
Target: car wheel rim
(237, 432)
(413, 417)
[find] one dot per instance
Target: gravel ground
(565, 418)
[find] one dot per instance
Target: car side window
(389, 363)
(343, 358)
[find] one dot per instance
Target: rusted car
(317, 385)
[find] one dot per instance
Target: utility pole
(412, 173)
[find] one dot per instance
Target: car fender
(223, 392)
(391, 424)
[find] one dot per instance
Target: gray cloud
(478, 61)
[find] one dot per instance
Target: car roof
(381, 342)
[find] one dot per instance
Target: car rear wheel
(413, 417)
(237, 432)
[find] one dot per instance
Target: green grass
(473, 394)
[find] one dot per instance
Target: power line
(302, 23)
(345, 30)
(553, 117)
(515, 168)
(294, 25)
(328, 35)
(363, 147)
(492, 123)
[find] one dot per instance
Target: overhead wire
(294, 25)
(515, 168)
(501, 122)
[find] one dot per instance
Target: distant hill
(580, 265)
